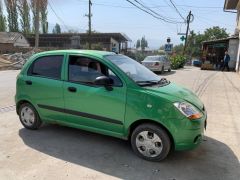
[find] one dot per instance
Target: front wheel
(29, 116)
(150, 142)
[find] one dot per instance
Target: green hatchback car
(110, 94)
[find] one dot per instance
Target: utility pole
(89, 24)
(36, 23)
(189, 20)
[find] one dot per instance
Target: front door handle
(72, 89)
(28, 82)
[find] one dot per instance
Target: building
(234, 6)
(9, 41)
(116, 42)
(214, 51)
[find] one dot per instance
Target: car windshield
(137, 72)
(152, 58)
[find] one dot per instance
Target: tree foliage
(12, 18)
(138, 44)
(215, 33)
(33, 9)
(57, 29)
(43, 13)
(142, 43)
(2, 19)
(195, 40)
(24, 11)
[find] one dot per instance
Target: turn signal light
(195, 116)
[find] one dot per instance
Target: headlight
(188, 110)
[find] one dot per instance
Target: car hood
(177, 93)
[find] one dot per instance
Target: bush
(177, 61)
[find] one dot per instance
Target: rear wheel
(162, 71)
(29, 116)
(150, 142)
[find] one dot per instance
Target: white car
(157, 63)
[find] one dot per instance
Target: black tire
(160, 132)
(169, 70)
(162, 71)
(35, 123)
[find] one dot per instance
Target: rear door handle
(72, 89)
(28, 82)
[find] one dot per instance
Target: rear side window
(47, 66)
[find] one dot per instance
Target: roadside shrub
(177, 61)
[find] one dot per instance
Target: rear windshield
(153, 58)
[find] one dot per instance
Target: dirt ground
(56, 152)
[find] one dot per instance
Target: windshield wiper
(147, 83)
(162, 81)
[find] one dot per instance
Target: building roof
(9, 37)
(120, 37)
(231, 4)
(220, 40)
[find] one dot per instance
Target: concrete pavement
(56, 152)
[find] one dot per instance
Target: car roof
(76, 51)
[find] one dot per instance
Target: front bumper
(190, 137)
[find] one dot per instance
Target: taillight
(157, 64)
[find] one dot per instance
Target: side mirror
(103, 81)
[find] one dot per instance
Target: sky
(121, 16)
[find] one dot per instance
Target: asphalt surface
(56, 152)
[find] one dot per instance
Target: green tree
(57, 29)
(215, 33)
(24, 11)
(138, 44)
(178, 48)
(33, 9)
(144, 43)
(2, 19)
(12, 18)
(194, 44)
(43, 13)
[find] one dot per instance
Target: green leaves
(177, 61)
(3, 25)
(57, 29)
(11, 6)
(24, 11)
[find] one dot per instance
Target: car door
(44, 86)
(89, 106)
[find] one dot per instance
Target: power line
(152, 7)
(177, 10)
(58, 17)
(154, 12)
(157, 17)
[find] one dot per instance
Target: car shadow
(211, 160)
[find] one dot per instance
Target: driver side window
(85, 70)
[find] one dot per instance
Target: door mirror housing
(103, 81)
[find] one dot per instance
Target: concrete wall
(233, 51)
(114, 46)
(21, 42)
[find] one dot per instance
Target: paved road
(55, 152)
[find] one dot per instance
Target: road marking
(7, 109)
